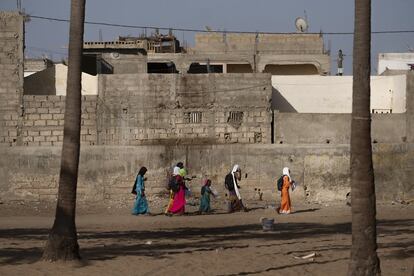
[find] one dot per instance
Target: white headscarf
(286, 172)
(236, 189)
(176, 170)
(235, 168)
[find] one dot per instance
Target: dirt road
(116, 243)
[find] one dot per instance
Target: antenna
(329, 47)
(305, 15)
(301, 25)
(100, 35)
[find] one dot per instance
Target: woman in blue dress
(205, 197)
(141, 204)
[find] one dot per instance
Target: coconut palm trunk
(62, 243)
(364, 259)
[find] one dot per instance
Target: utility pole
(19, 5)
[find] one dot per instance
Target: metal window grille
(235, 117)
(194, 117)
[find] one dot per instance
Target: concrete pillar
(11, 84)
(410, 107)
(409, 180)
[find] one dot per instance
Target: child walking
(205, 197)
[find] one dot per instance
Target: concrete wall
(126, 63)
(107, 173)
(319, 94)
(313, 128)
(44, 118)
(136, 109)
(11, 76)
(275, 43)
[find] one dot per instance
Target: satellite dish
(301, 25)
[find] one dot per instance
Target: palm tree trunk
(62, 242)
(364, 259)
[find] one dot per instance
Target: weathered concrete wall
(107, 173)
(126, 63)
(275, 43)
(333, 94)
(136, 109)
(11, 76)
(257, 61)
(313, 128)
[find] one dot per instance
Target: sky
(50, 38)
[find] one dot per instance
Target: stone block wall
(138, 109)
(43, 120)
(11, 76)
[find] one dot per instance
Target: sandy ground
(113, 242)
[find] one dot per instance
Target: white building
(395, 61)
(333, 94)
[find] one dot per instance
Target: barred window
(235, 118)
(194, 117)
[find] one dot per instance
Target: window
(194, 117)
(235, 118)
(378, 110)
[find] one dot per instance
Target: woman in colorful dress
(285, 204)
(141, 204)
(176, 171)
(178, 205)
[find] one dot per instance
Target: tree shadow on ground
(306, 210)
(282, 267)
(166, 242)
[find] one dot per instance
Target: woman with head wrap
(285, 206)
(176, 172)
(141, 204)
(178, 205)
(231, 184)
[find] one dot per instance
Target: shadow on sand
(166, 242)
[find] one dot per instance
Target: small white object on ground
(148, 242)
(309, 256)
